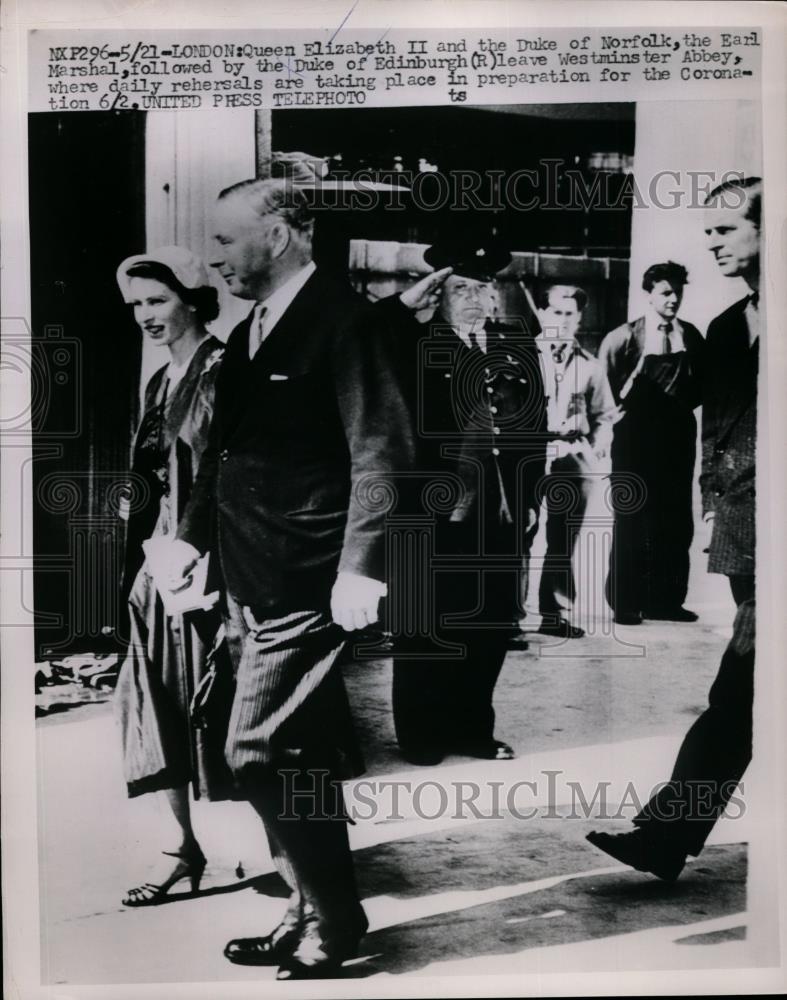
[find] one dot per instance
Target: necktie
(666, 329)
(477, 340)
(257, 332)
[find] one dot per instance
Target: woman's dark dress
(167, 655)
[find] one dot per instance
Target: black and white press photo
(392, 551)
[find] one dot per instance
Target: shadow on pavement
(581, 908)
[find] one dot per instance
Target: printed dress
(169, 657)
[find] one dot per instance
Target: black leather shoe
(561, 628)
(487, 750)
(317, 958)
(271, 949)
(519, 641)
(672, 615)
(628, 618)
(638, 850)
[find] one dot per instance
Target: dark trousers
(444, 678)
(652, 473)
(290, 742)
(566, 495)
(717, 748)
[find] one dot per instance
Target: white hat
(189, 269)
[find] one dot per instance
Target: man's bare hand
(183, 558)
(355, 600)
(425, 294)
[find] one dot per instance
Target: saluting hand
(354, 601)
(425, 294)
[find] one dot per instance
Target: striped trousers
(290, 742)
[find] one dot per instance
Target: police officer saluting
(478, 395)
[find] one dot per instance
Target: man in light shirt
(580, 410)
(654, 367)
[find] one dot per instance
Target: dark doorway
(87, 212)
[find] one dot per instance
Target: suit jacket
(622, 348)
(729, 436)
(480, 417)
(303, 435)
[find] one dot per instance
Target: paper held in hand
(158, 553)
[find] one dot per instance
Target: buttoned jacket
(307, 440)
(480, 416)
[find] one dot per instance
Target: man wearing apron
(654, 369)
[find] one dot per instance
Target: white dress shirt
(654, 337)
(654, 343)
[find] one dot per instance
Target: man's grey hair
(275, 197)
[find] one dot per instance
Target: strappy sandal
(148, 894)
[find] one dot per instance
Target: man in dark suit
(479, 398)
(717, 749)
(654, 368)
(309, 420)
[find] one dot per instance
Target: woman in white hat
(172, 300)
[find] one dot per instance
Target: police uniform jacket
(480, 416)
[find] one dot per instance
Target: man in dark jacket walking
(310, 420)
(717, 749)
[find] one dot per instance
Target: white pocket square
(279, 378)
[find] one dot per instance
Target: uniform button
(447, 375)
(489, 388)
(495, 451)
(523, 381)
(502, 336)
(496, 430)
(509, 359)
(493, 409)
(224, 455)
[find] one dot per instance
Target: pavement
(467, 868)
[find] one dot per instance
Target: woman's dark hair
(205, 299)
